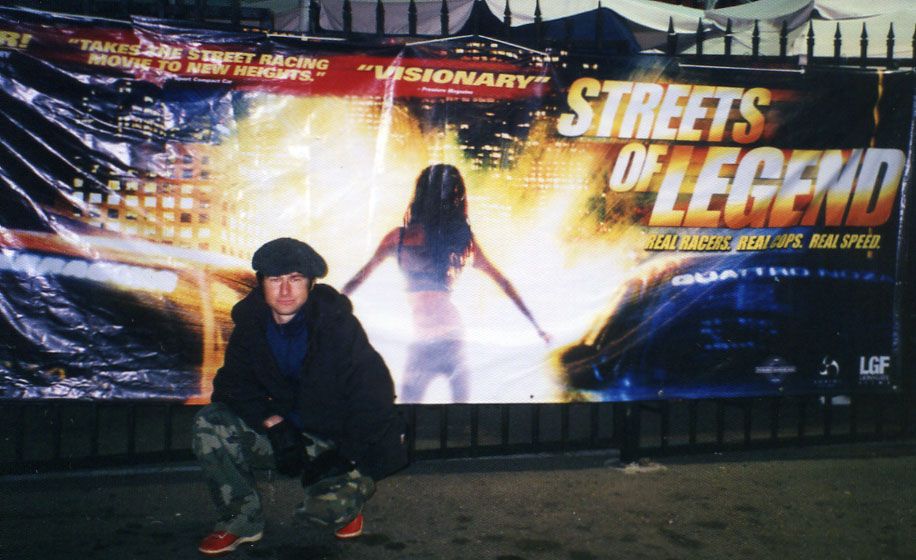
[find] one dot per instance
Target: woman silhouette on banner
(431, 248)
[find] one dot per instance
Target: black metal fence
(539, 34)
(42, 436)
(45, 436)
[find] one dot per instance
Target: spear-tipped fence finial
(837, 43)
(538, 22)
(890, 46)
(671, 47)
(810, 41)
(507, 20)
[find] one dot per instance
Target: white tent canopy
(798, 12)
(823, 18)
(648, 20)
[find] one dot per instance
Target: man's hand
(328, 464)
(288, 445)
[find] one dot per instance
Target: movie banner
(510, 225)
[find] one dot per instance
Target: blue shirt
(289, 344)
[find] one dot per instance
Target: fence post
(890, 47)
(538, 23)
(755, 40)
(837, 44)
(810, 41)
(504, 425)
(132, 429)
(507, 21)
(20, 422)
(774, 418)
(671, 46)
(748, 410)
(701, 36)
(784, 40)
(536, 427)
(235, 12)
(914, 45)
(96, 427)
(828, 416)
(443, 430)
(444, 18)
(412, 18)
(476, 9)
(167, 436)
(347, 18)
(475, 430)
(665, 425)
(411, 432)
(314, 14)
(594, 425)
(57, 422)
(802, 419)
(627, 425)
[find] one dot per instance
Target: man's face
(285, 295)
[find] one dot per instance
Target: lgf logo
(876, 365)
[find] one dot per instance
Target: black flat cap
(286, 255)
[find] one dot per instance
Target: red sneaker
(352, 529)
(219, 542)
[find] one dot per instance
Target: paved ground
(836, 502)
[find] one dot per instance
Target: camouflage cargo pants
(230, 451)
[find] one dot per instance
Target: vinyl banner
(510, 225)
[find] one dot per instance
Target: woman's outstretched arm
(482, 263)
(386, 248)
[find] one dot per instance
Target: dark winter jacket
(345, 391)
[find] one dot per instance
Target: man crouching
(301, 391)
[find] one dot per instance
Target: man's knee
(210, 428)
(208, 417)
(336, 500)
